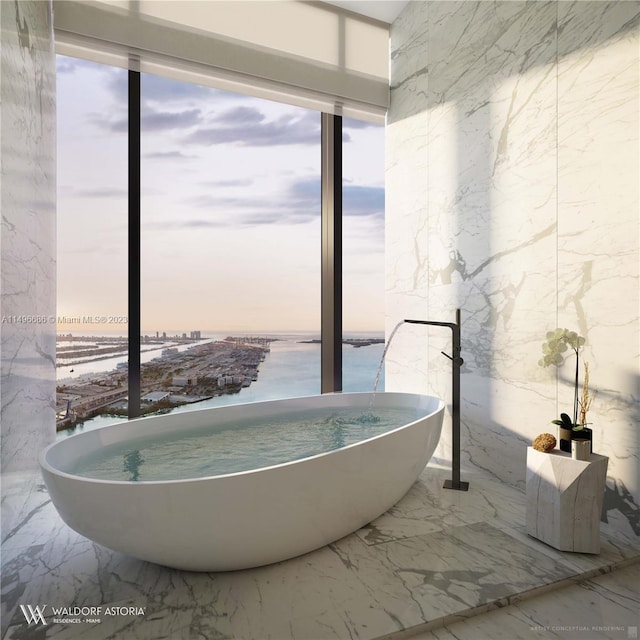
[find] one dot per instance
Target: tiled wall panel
(28, 272)
(519, 205)
(598, 222)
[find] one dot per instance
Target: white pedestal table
(564, 499)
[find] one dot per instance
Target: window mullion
(134, 246)
(331, 321)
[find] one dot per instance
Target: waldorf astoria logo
(45, 614)
(33, 615)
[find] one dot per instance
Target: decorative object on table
(587, 398)
(568, 431)
(565, 431)
(581, 449)
(544, 442)
(564, 499)
(553, 350)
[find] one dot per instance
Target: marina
(176, 377)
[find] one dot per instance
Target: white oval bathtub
(251, 518)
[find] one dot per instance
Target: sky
(230, 212)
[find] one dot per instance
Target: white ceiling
(385, 10)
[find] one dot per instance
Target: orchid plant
(554, 349)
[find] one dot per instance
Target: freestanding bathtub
(247, 519)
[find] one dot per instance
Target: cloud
(169, 155)
(65, 65)
(101, 192)
(289, 129)
(348, 123)
(175, 225)
(161, 89)
(112, 125)
(118, 84)
(157, 89)
(359, 201)
(298, 203)
(306, 193)
(151, 120)
(249, 210)
(240, 182)
(241, 115)
(356, 200)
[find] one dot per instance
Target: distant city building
(154, 396)
(196, 335)
(223, 381)
(164, 334)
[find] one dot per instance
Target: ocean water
(291, 369)
(239, 446)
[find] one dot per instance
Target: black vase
(564, 436)
(567, 435)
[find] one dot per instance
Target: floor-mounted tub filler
(243, 486)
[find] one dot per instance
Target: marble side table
(564, 499)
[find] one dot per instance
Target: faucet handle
(458, 361)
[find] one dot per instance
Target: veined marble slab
(428, 507)
(28, 232)
(516, 126)
(602, 608)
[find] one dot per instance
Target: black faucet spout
(456, 363)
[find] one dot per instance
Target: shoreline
(194, 373)
(354, 342)
(201, 372)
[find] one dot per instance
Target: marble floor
(603, 608)
(440, 564)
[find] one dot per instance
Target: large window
(230, 238)
(230, 245)
(92, 197)
(363, 254)
(92, 237)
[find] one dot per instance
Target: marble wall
(512, 194)
(28, 233)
